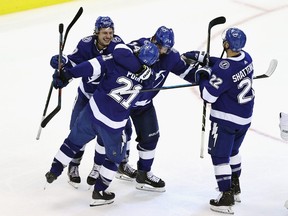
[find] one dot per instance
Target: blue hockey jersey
(230, 91)
(85, 50)
(170, 62)
(108, 106)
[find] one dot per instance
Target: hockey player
(230, 93)
(143, 113)
(107, 112)
(102, 42)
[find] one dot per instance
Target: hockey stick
(61, 27)
(272, 66)
(57, 109)
(271, 69)
(45, 120)
(212, 23)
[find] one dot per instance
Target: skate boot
(50, 177)
(91, 179)
(223, 203)
(55, 171)
(73, 174)
(126, 172)
(102, 198)
(236, 188)
(149, 182)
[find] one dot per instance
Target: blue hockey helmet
(164, 37)
(236, 39)
(148, 54)
(103, 22)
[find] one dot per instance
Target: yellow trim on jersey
(11, 6)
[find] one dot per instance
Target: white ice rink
(28, 40)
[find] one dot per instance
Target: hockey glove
(202, 73)
(144, 73)
(54, 61)
(284, 126)
(195, 56)
(62, 79)
(146, 76)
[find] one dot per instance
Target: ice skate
(91, 179)
(149, 182)
(50, 177)
(223, 203)
(102, 198)
(126, 172)
(73, 174)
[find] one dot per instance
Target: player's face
(105, 36)
(162, 49)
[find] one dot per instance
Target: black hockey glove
(202, 73)
(62, 79)
(146, 75)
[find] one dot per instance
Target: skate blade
(146, 187)
(222, 209)
(45, 185)
(124, 177)
(100, 202)
(89, 187)
(237, 198)
(74, 184)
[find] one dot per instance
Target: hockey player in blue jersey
(143, 113)
(102, 42)
(107, 112)
(230, 93)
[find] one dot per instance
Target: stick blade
(217, 21)
(272, 67)
(270, 70)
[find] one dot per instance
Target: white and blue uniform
(86, 50)
(230, 93)
(143, 113)
(106, 114)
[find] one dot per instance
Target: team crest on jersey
(224, 64)
(87, 39)
(116, 40)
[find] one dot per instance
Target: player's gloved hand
(144, 73)
(147, 76)
(54, 61)
(195, 56)
(202, 73)
(284, 126)
(62, 79)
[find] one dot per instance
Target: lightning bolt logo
(214, 132)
